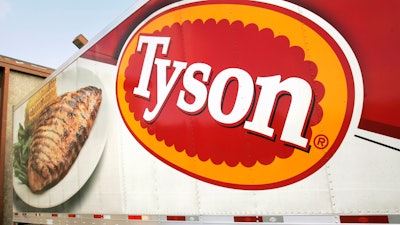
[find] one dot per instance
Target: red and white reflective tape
(364, 219)
(311, 219)
(98, 216)
(134, 217)
(248, 219)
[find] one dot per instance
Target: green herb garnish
(21, 152)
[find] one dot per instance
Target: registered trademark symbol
(321, 141)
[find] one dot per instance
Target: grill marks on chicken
(61, 131)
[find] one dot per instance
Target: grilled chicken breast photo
(60, 133)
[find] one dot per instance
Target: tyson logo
(255, 96)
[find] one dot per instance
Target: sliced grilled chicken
(61, 131)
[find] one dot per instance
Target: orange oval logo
(245, 95)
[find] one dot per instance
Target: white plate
(72, 79)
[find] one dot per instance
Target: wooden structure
(8, 68)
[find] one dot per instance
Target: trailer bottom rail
(125, 219)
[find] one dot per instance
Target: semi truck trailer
(218, 112)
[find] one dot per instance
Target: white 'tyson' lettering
(271, 86)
